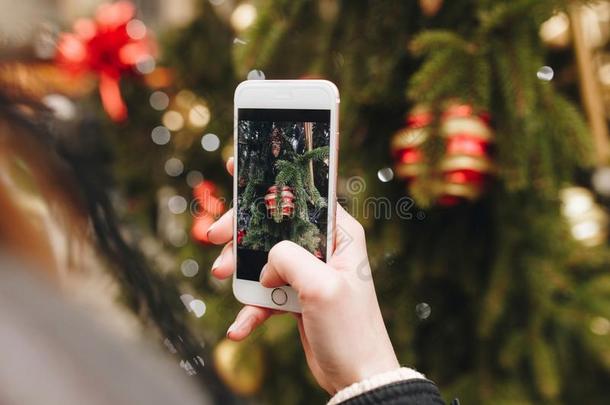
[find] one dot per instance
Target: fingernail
(237, 325)
(260, 277)
(207, 234)
(217, 263)
(232, 328)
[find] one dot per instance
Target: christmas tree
(486, 283)
(274, 153)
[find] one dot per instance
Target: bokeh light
(136, 29)
(199, 115)
(185, 98)
(177, 204)
(173, 120)
(243, 16)
(198, 307)
(545, 73)
(193, 178)
(189, 268)
(423, 310)
(386, 174)
(178, 237)
(256, 74)
(62, 107)
(174, 167)
(210, 142)
(159, 100)
(160, 135)
(146, 65)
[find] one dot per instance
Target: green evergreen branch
(428, 41)
(293, 173)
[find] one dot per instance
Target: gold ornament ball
(240, 366)
(430, 7)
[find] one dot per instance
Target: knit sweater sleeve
(409, 392)
(402, 386)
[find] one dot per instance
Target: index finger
(221, 231)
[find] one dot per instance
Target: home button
(279, 296)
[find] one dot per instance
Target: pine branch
(429, 41)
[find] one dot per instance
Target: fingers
(246, 321)
(349, 231)
(230, 165)
(221, 231)
(224, 265)
(288, 263)
(315, 368)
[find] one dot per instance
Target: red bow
(109, 45)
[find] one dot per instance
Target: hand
(341, 327)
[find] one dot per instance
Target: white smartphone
(286, 150)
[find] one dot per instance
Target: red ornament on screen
(286, 201)
(240, 235)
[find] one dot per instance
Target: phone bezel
(287, 94)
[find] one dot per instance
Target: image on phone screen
(282, 183)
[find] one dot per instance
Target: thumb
(349, 234)
(289, 263)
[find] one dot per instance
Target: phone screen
(282, 183)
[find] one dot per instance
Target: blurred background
(474, 149)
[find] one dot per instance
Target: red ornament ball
(286, 201)
(466, 165)
(240, 236)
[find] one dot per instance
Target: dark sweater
(408, 392)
